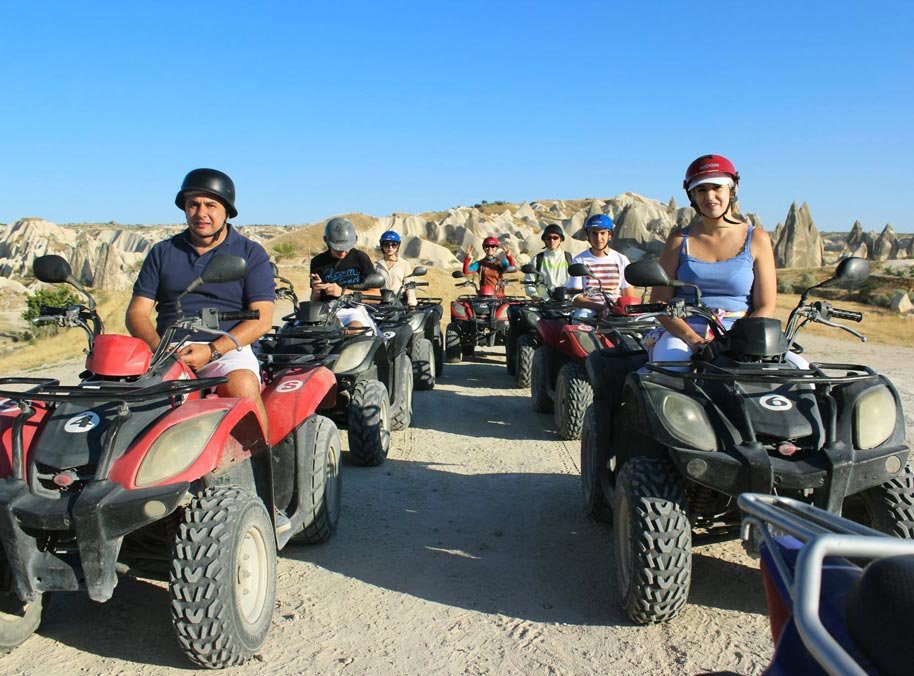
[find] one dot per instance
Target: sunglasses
(389, 245)
(490, 246)
(553, 237)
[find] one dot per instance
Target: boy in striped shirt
(606, 264)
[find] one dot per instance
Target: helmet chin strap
(215, 235)
(723, 216)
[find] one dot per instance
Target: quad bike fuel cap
(339, 234)
(209, 182)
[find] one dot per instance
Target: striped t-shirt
(609, 269)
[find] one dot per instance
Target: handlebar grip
(50, 311)
(421, 283)
(846, 314)
(637, 308)
(239, 315)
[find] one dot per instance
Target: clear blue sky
(323, 108)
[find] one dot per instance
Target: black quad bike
(480, 318)
(522, 339)
(374, 375)
(669, 446)
(392, 312)
(142, 469)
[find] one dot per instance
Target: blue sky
(317, 109)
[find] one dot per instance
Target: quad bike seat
(880, 613)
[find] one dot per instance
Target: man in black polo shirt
(207, 197)
(339, 266)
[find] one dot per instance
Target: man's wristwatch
(214, 354)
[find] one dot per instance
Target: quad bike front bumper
(73, 542)
(832, 473)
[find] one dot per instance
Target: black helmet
(210, 182)
(553, 229)
(339, 234)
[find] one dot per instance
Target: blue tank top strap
(684, 244)
(747, 245)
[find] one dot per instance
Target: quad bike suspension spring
(702, 500)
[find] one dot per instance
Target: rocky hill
(108, 256)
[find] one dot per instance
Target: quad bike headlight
(177, 448)
(458, 310)
(352, 355)
(874, 417)
(685, 419)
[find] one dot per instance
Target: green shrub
(56, 297)
(283, 250)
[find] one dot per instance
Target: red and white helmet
(491, 241)
(710, 169)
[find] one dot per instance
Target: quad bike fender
(461, 310)
(9, 411)
(236, 435)
(579, 340)
(550, 331)
(295, 396)
(398, 339)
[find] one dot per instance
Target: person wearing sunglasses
(491, 268)
(393, 268)
(551, 263)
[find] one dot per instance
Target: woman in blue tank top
(730, 260)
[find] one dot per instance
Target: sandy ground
(466, 553)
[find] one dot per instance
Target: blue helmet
(390, 236)
(598, 222)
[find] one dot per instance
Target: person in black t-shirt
(339, 266)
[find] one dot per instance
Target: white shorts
(346, 316)
(233, 360)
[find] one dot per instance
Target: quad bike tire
(423, 359)
(18, 620)
(888, 507)
(511, 351)
(539, 379)
(368, 422)
(319, 470)
(653, 540)
(523, 360)
(573, 394)
(598, 502)
(223, 577)
(438, 346)
(401, 414)
(452, 350)
(468, 349)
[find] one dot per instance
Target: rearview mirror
(52, 269)
(852, 271)
(419, 271)
(528, 268)
(578, 270)
(224, 269)
(457, 274)
(648, 273)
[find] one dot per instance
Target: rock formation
(885, 246)
(798, 243)
(901, 303)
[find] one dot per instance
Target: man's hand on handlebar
(195, 355)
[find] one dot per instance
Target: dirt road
(466, 553)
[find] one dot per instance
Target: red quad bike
(522, 339)
(558, 378)
(840, 595)
(142, 470)
(478, 319)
